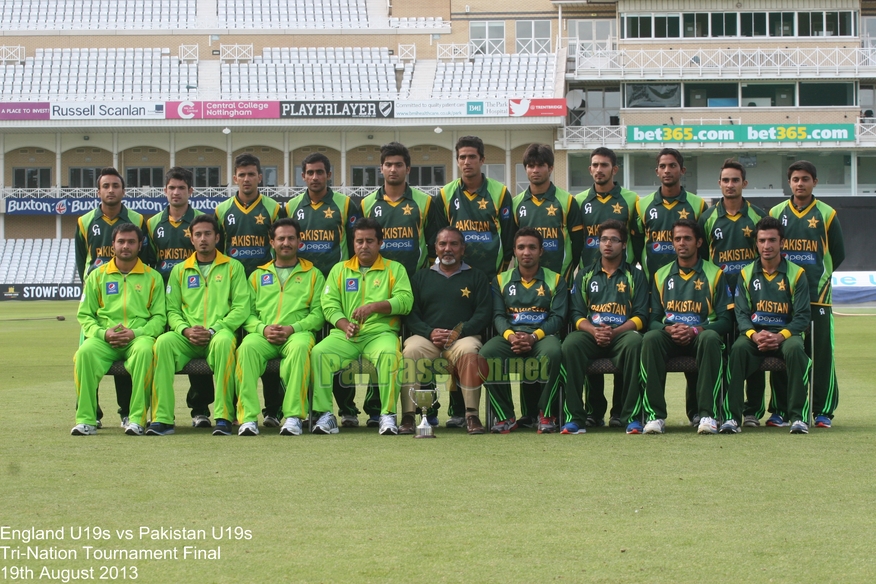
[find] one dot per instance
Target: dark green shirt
(554, 214)
(730, 240)
(94, 239)
(245, 229)
(778, 303)
(698, 296)
(538, 306)
(610, 299)
(618, 204)
(443, 302)
(657, 215)
(326, 228)
(171, 240)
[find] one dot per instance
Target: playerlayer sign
(58, 206)
(743, 133)
(337, 109)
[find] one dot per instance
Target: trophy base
(425, 436)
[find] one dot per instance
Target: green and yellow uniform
(656, 216)
(135, 300)
(814, 241)
(730, 238)
(347, 287)
(326, 228)
(171, 240)
(484, 217)
(409, 225)
(288, 297)
(618, 204)
(536, 307)
(94, 239)
(778, 303)
(611, 299)
(245, 229)
(696, 297)
(554, 214)
(216, 297)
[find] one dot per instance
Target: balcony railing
(154, 192)
(719, 63)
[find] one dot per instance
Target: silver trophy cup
(424, 399)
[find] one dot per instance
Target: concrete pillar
(229, 161)
(171, 147)
(58, 160)
(509, 179)
(453, 138)
(116, 152)
(343, 159)
(627, 170)
(854, 173)
(287, 174)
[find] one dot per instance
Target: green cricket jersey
(245, 229)
(326, 227)
(484, 218)
(94, 239)
(444, 302)
(698, 296)
(610, 299)
(409, 225)
(347, 288)
(730, 238)
(538, 307)
(777, 302)
(171, 240)
(656, 216)
(135, 300)
(618, 204)
(813, 241)
(554, 214)
(296, 303)
(218, 300)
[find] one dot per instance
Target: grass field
(762, 506)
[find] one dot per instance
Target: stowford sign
(337, 109)
(40, 292)
(743, 133)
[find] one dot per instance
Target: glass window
(144, 176)
(767, 95)
(696, 24)
(32, 178)
(487, 38)
(494, 171)
(781, 24)
(804, 24)
(533, 36)
(520, 178)
(753, 24)
(711, 95)
(205, 176)
(869, 29)
(638, 27)
(867, 101)
(84, 178)
(666, 27)
(653, 95)
(821, 94)
(269, 176)
(427, 176)
(367, 176)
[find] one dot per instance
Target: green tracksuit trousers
(91, 362)
(579, 350)
(658, 347)
(172, 352)
(252, 357)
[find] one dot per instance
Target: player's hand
(439, 337)
(603, 334)
(276, 334)
(198, 336)
(768, 341)
(363, 312)
(521, 343)
(680, 334)
(119, 336)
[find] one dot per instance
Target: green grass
(605, 507)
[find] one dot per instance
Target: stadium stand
(97, 14)
(243, 14)
(496, 76)
(38, 261)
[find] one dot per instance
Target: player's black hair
(768, 223)
(110, 171)
(367, 223)
(734, 164)
(538, 154)
(205, 218)
(314, 159)
(607, 152)
(528, 232)
(470, 142)
(671, 152)
(395, 149)
(179, 173)
(803, 165)
(127, 228)
(451, 229)
(693, 226)
(617, 226)
(284, 222)
(247, 159)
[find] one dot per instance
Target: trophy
(424, 399)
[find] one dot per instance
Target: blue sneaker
(433, 420)
(159, 429)
(223, 428)
(777, 421)
(635, 427)
(573, 428)
(822, 421)
(373, 421)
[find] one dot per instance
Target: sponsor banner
(491, 108)
(555, 107)
(854, 279)
(146, 205)
(119, 110)
(222, 110)
(24, 111)
(40, 291)
(337, 109)
(743, 133)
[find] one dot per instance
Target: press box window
(32, 178)
(827, 94)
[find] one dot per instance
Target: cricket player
(364, 299)
(609, 308)
(448, 294)
(690, 313)
(94, 247)
(245, 220)
(814, 241)
(529, 308)
(285, 314)
(772, 311)
(207, 301)
(170, 235)
(121, 312)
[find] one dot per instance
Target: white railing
(11, 55)
(155, 192)
(235, 53)
(717, 62)
(710, 121)
(407, 52)
(188, 53)
(453, 51)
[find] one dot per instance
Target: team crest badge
(352, 285)
(267, 279)
(194, 281)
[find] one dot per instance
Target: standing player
(207, 301)
(814, 241)
(364, 299)
(285, 314)
(772, 311)
(728, 227)
(121, 312)
(170, 234)
(606, 201)
(690, 313)
(326, 220)
(245, 220)
(94, 247)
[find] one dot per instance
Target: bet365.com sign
(743, 133)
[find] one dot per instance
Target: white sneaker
(125, 421)
(798, 427)
(83, 430)
(388, 427)
(655, 426)
(201, 421)
(133, 429)
(751, 421)
(707, 426)
(349, 421)
(730, 427)
(326, 424)
(292, 427)
(248, 429)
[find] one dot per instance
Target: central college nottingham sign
(743, 133)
